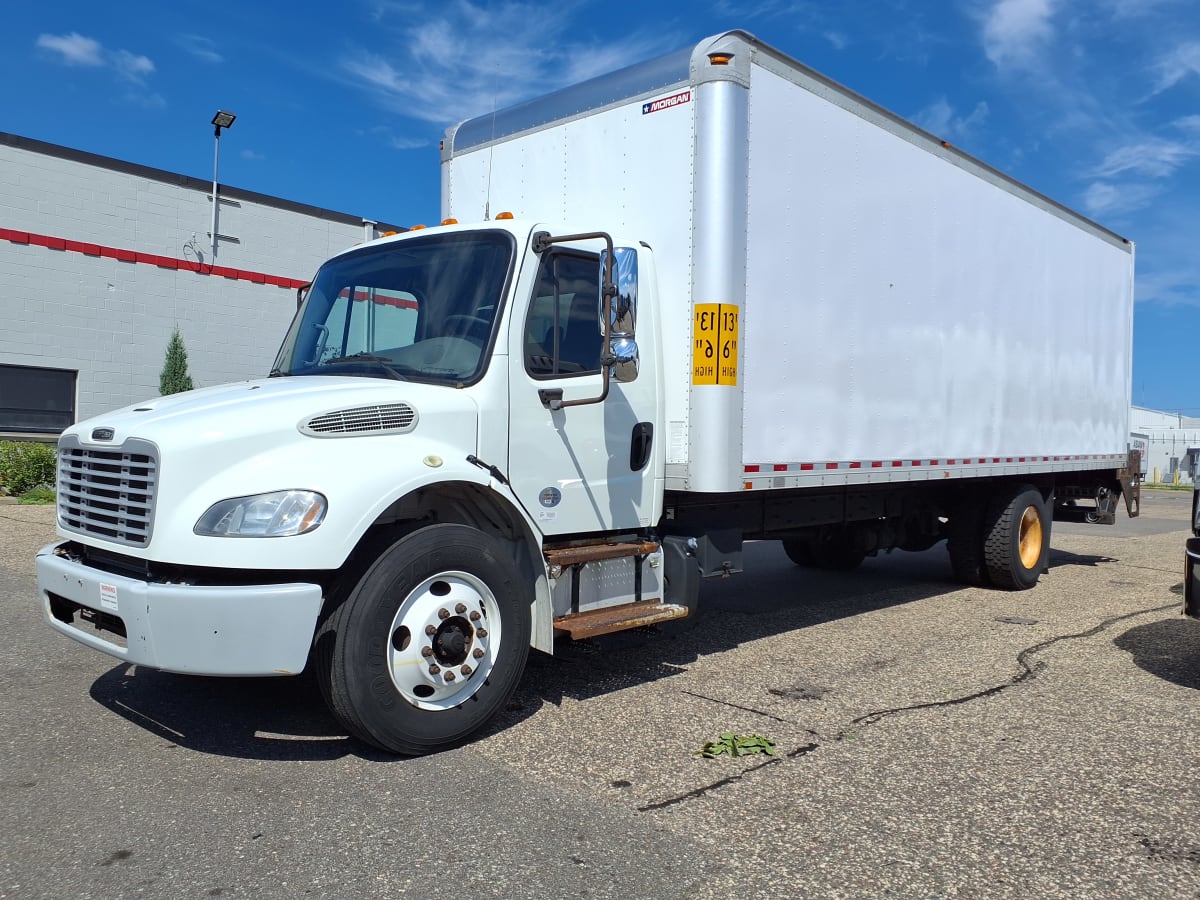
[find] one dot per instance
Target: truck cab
(452, 411)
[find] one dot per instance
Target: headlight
(278, 514)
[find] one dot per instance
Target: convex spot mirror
(623, 312)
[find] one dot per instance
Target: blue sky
(1093, 102)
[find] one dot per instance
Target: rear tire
(429, 645)
(835, 550)
(1017, 538)
(798, 550)
(964, 543)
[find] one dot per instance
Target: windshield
(420, 309)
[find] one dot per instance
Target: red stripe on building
(14, 236)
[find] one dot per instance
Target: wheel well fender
(461, 503)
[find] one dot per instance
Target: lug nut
(434, 669)
(443, 613)
(427, 652)
(449, 676)
(460, 608)
(481, 632)
(430, 630)
(466, 670)
(477, 653)
(474, 617)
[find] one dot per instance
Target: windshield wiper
(383, 362)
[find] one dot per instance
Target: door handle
(639, 445)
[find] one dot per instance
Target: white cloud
(408, 143)
(76, 50)
(838, 40)
(1135, 9)
(1151, 158)
(468, 57)
(1177, 65)
(1016, 32)
(938, 118)
(1103, 198)
(73, 49)
(130, 65)
(252, 155)
(200, 47)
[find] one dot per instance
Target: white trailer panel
(901, 307)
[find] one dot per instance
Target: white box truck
(727, 300)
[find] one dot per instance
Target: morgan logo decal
(666, 102)
(102, 434)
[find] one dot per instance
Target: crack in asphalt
(751, 709)
(708, 788)
(1023, 658)
(1029, 671)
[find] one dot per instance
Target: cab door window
(562, 333)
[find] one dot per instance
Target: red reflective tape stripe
(876, 465)
(806, 467)
(751, 468)
(896, 464)
(856, 465)
(829, 466)
(780, 468)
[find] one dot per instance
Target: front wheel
(429, 645)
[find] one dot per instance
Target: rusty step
(618, 618)
(586, 553)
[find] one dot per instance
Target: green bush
(175, 378)
(25, 466)
(39, 496)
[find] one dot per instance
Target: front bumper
(1191, 572)
(257, 629)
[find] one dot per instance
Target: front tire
(429, 645)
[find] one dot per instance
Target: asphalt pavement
(932, 741)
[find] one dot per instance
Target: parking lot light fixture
(222, 119)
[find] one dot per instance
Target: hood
(254, 407)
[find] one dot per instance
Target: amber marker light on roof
(504, 215)
(417, 228)
(449, 221)
(720, 59)
(389, 233)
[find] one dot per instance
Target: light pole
(222, 119)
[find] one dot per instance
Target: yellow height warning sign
(715, 344)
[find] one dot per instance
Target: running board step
(618, 618)
(586, 553)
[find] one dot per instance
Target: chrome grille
(108, 493)
(391, 418)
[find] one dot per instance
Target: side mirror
(301, 293)
(622, 348)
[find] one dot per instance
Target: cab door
(583, 468)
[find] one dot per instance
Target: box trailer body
(903, 311)
(722, 299)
